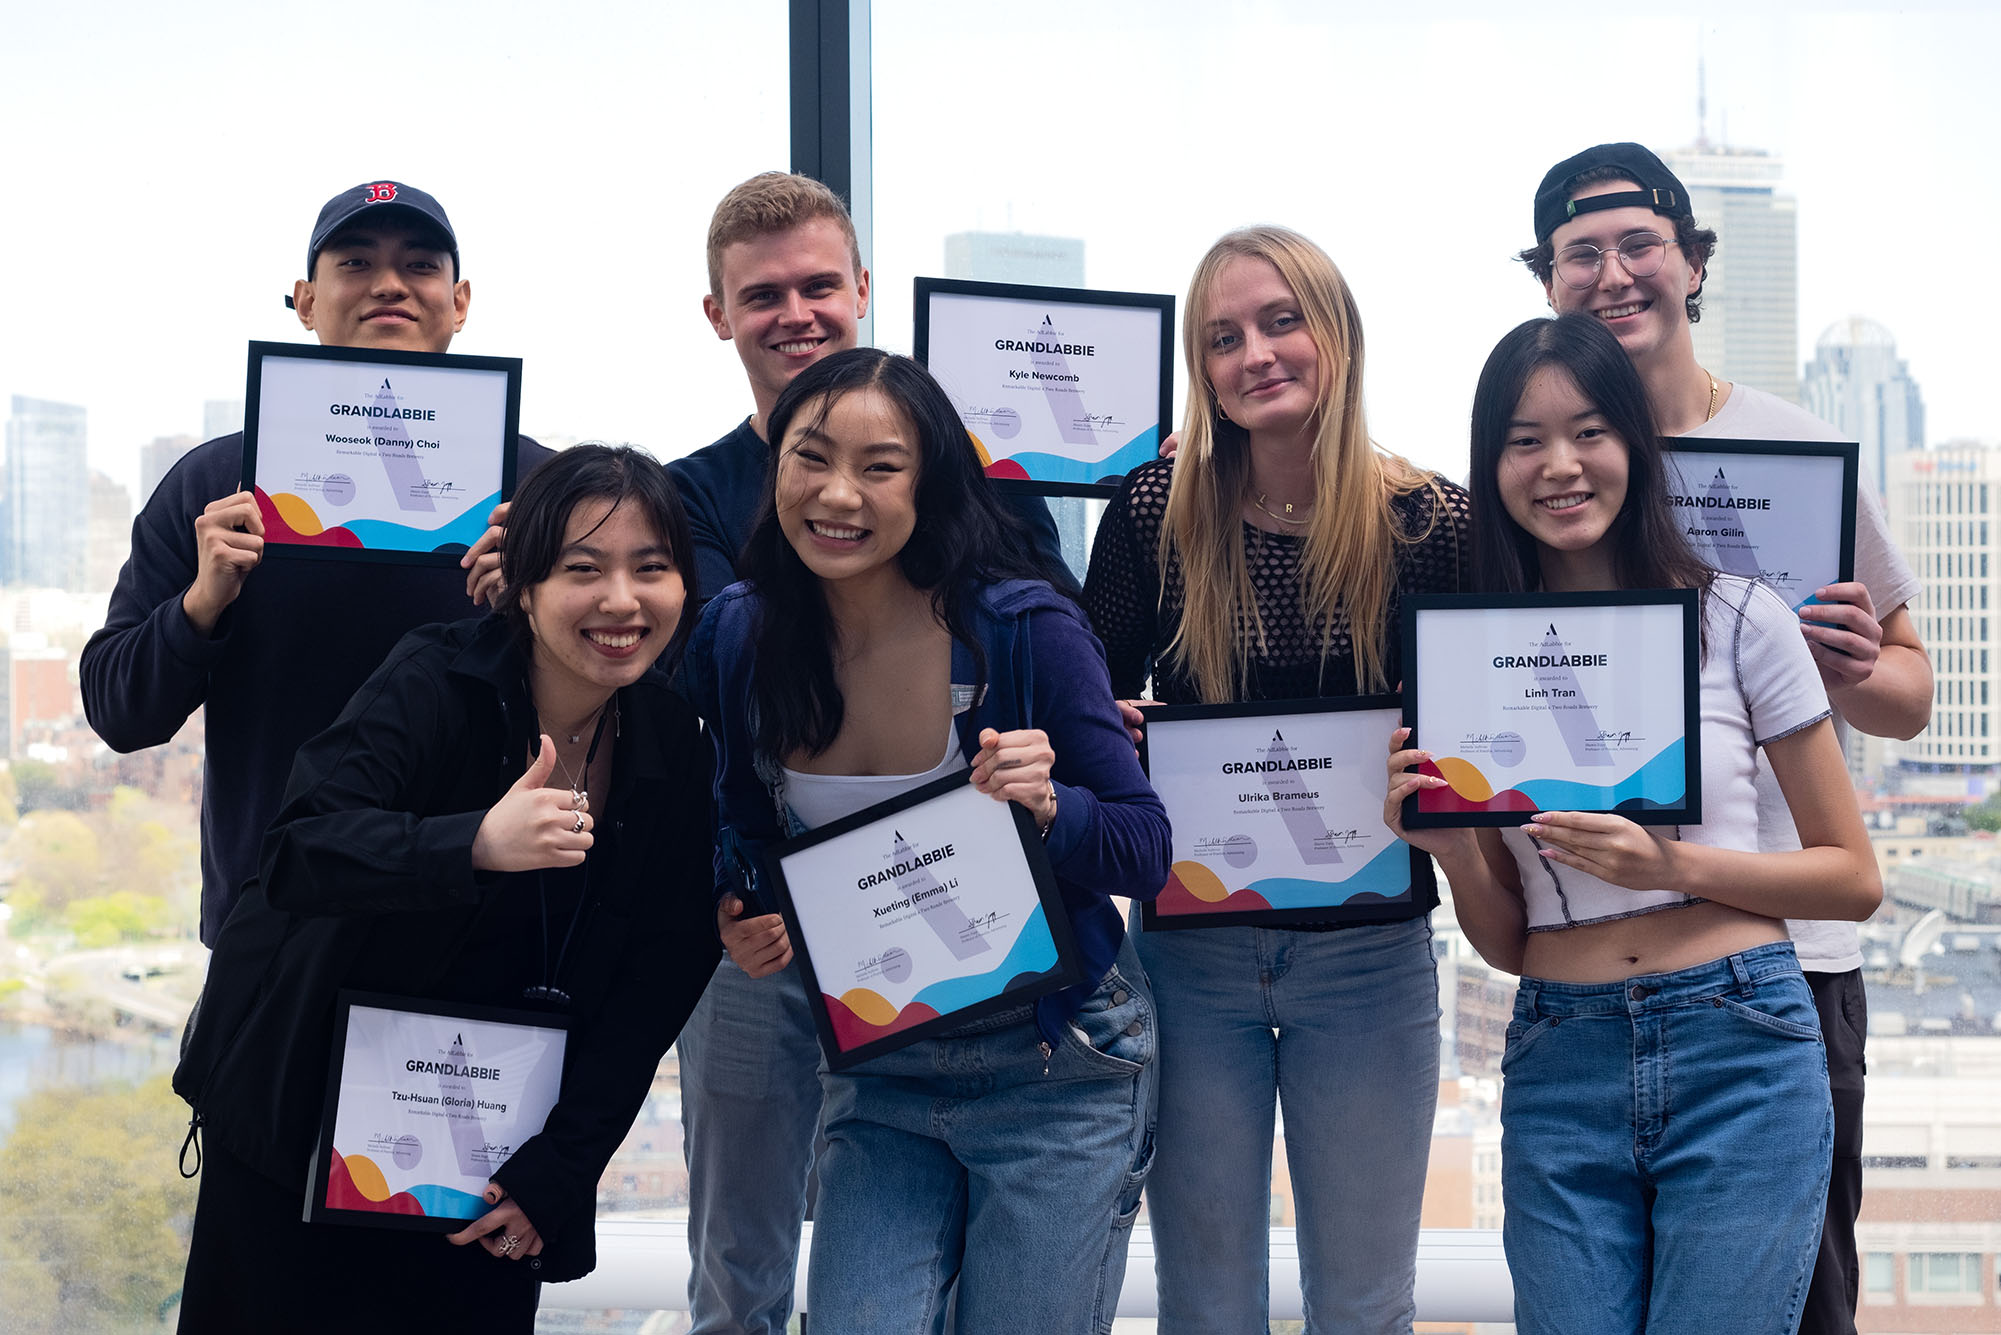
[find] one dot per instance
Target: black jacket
(367, 882)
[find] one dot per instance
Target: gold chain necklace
(1285, 518)
(1711, 416)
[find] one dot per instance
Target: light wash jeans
(750, 1108)
(1665, 1144)
(974, 1157)
(1342, 1027)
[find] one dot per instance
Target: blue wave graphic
(1034, 952)
(1056, 468)
(448, 1202)
(1386, 874)
(1661, 782)
(381, 534)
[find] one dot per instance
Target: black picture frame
(1066, 974)
(1416, 684)
(928, 288)
(317, 1211)
(253, 394)
(1418, 894)
(1847, 453)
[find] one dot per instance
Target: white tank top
(821, 799)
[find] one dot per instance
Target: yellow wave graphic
(1200, 882)
(1465, 778)
(368, 1179)
(869, 1005)
(981, 446)
(297, 514)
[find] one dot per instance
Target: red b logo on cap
(381, 193)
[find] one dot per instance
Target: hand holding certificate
(1553, 702)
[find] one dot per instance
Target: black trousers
(1844, 1024)
(255, 1267)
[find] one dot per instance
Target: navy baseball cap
(1660, 189)
(349, 205)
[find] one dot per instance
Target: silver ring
(578, 828)
(508, 1244)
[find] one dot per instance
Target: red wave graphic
(342, 1194)
(1448, 799)
(1007, 468)
(277, 530)
(1175, 898)
(851, 1030)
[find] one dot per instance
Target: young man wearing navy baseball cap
(275, 650)
(1616, 238)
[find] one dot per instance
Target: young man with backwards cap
(275, 651)
(1616, 238)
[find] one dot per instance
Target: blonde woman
(1266, 562)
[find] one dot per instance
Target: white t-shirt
(822, 799)
(1752, 414)
(1758, 684)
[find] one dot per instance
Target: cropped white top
(1758, 685)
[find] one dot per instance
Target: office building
(110, 536)
(47, 500)
(34, 686)
(1857, 381)
(220, 417)
(157, 458)
(1749, 330)
(1940, 505)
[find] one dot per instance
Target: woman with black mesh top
(1266, 561)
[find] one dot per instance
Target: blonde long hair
(1348, 560)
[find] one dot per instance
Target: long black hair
(540, 517)
(963, 538)
(1649, 549)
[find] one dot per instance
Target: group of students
(519, 810)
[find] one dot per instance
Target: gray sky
(166, 164)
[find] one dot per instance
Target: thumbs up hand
(532, 826)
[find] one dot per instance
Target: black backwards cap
(351, 204)
(1660, 189)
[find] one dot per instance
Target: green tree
(39, 787)
(93, 1213)
(1986, 816)
(58, 857)
(122, 915)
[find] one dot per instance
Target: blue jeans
(973, 1156)
(1664, 1150)
(1342, 1028)
(750, 1108)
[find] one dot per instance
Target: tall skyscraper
(159, 456)
(1857, 381)
(1941, 506)
(110, 537)
(1046, 261)
(46, 508)
(1749, 331)
(220, 417)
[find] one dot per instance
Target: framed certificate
(920, 914)
(1277, 810)
(425, 1101)
(1554, 702)
(1779, 511)
(360, 454)
(1062, 388)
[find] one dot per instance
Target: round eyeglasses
(1641, 254)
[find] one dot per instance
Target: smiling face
(1648, 315)
(605, 612)
(1257, 353)
(384, 283)
(847, 485)
(788, 299)
(1562, 476)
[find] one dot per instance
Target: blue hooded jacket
(1045, 670)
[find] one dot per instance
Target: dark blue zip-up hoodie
(1044, 670)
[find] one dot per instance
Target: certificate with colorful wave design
(424, 1103)
(1554, 702)
(358, 454)
(920, 914)
(1277, 813)
(1063, 389)
(1778, 511)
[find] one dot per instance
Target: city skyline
(167, 221)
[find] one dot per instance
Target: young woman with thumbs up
(511, 812)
